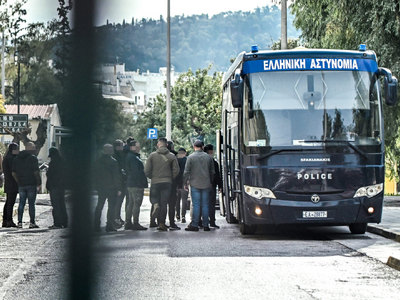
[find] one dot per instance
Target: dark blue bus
(302, 138)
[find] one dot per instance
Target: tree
(291, 44)
(344, 24)
(195, 109)
(196, 40)
(2, 108)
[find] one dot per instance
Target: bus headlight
(258, 192)
(369, 191)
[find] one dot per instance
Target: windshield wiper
(350, 145)
(276, 152)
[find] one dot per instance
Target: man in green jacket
(161, 167)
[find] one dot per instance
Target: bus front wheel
(247, 229)
(358, 228)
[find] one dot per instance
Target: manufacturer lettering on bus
(308, 176)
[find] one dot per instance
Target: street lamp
(17, 63)
(168, 104)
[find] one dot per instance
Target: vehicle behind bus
(302, 140)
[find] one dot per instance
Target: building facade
(48, 113)
(134, 90)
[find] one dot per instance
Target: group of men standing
(21, 176)
(120, 169)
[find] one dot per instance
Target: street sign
(152, 133)
(13, 122)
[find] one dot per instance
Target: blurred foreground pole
(82, 111)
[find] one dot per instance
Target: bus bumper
(333, 212)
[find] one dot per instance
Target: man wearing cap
(199, 173)
(136, 183)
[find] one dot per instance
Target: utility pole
(3, 66)
(168, 125)
(283, 25)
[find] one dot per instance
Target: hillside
(196, 41)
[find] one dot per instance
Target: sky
(117, 10)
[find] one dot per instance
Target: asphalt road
(277, 263)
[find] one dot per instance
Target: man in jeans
(136, 183)
(199, 173)
(161, 167)
(26, 172)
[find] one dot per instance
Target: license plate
(315, 214)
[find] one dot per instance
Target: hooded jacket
(25, 165)
(55, 173)
(161, 166)
(10, 185)
(107, 174)
(135, 171)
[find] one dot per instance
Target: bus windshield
(293, 108)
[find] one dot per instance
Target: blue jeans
(27, 192)
(200, 200)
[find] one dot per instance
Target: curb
(384, 232)
(392, 261)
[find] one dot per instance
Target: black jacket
(182, 164)
(10, 185)
(120, 156)
(217, 177)
(135, 171)
(25, 165)
(55, 173)
(107, 174)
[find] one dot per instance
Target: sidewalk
(42, 201)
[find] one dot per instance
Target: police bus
(302, 138)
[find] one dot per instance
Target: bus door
(230, 165)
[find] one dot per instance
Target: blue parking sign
(152, 133)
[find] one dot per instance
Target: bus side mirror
(391, 91)
(390, 86)
(237, 91)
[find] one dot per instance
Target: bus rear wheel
(247, 229)
(358, 228)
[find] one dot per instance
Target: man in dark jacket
(120, 155)
(217, 182)
(55, 185)
(108, 186)
(182, 193)
(136, 183)
(174, 191)
(26, 172)
(10, 185)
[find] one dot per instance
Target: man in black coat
(136, 183)
(26, 172)
(182, 193)
(120, 153)
(55, 185)
(217, 182)
(108, 186)
(10, 185)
